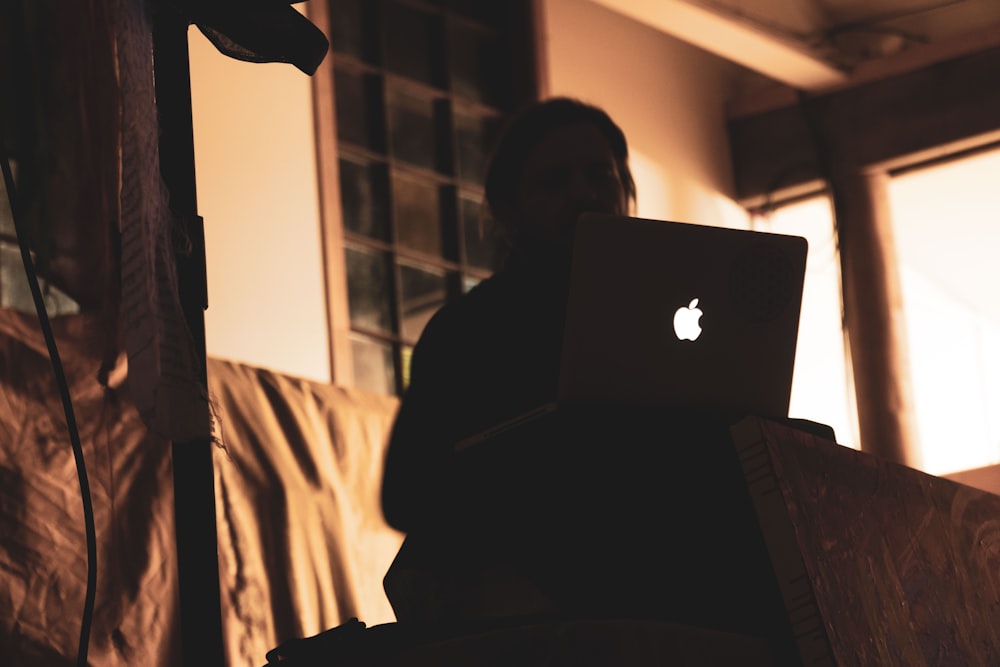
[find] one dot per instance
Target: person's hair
(524, 131)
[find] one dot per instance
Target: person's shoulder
(469, 317)
(456, 312)
(483, 299)
(463, 325)
(487, 292)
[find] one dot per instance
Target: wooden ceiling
(903, 80)
(821, 45)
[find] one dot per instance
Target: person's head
(556, 159)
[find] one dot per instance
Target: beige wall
(257, 190)
(668, 97)
(257, 186)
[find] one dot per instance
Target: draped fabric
(43, 556)
(302, 543)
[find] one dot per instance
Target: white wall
(257, 190)
(667, 96)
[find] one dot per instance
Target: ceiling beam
(877, 69)
(948, 106)
(770, 54)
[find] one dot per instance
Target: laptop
(677, 315)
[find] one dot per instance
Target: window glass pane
(946, 239)
(475, 65)
(822, 386)
(15, 292)
(474, 135)
(468, 282)
(424, 291)
(411, 43)
(411, 127)
(955, 369)
(482, 246)
(374, 368)
(417, 211)
(407, 355)
(491, 13)
(6, 220)
(357, 109)
(346, 27)
(364, 194)
(369, 289)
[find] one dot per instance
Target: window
(14, 290)
(945, 228)
(419, 90)
(822, 388)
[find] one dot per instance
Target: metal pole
(194, 481)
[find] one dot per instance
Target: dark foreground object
(651, 532)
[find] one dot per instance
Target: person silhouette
(494, 353)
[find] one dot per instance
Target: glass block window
(420, 88)
(15, 292)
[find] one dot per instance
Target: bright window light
(946, 224)
(822, 388)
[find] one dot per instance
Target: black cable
(57, 368)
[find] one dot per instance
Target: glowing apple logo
(686, 321)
